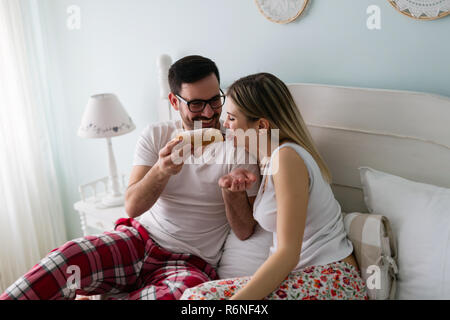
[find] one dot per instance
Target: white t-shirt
(189, 216)
(325, 239)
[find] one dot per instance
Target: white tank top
(325, 240)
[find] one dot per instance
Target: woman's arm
(239, 212)
(291, 182)
(238, 206)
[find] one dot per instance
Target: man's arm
(147, 183)
(145, 186)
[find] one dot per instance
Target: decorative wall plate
(422, 9)
(281, 11)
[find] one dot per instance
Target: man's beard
(196, 123)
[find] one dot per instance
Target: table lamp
(105, 117)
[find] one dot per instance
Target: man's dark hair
(190, 69)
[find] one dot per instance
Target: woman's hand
(237, 180)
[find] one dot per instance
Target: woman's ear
(174, 101)
(263, 124)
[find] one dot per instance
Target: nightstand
(94, 216)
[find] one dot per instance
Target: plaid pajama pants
(124, 260)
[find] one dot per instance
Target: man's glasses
(198, 105)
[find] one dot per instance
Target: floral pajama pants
(334, 281)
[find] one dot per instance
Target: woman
(311, 256)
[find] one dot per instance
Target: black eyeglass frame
(205, 102)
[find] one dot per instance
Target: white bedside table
(96, 220)
(95, 217)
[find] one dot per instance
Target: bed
(404, 137)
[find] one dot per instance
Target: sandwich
(200, 137)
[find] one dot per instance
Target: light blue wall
(120, 40)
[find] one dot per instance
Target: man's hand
(237, 180)
(171, 159)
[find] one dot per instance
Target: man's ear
(174, 101)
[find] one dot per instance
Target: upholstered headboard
(399, 132)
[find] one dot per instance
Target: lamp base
(113, 201)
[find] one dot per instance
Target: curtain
(31, 214)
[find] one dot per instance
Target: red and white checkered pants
(124, 260)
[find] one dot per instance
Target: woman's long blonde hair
(263, 95)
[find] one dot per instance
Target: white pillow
(420, 218)
(243, 258)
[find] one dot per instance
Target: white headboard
(400, 132)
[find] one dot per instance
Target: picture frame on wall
(281, 11)
(422, 9)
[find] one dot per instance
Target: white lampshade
(105, 117)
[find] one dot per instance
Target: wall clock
(281, 11)
(422, 9)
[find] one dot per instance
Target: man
(184, 215)
(186, 205)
